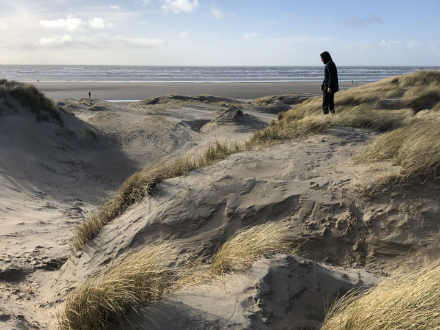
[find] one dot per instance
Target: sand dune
(354, 222)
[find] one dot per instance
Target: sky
(220, 32)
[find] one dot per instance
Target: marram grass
(416, 148)
(408, 302)
(140, 279)
(245, 246)
(145, 277)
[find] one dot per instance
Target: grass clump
(400, 302)
(30, 96)
(244, 247)
(415, 147)
(140, 184)
(142, 278)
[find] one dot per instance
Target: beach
(143, 90)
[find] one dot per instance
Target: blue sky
(219, 32)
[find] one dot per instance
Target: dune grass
(140, 184)
(145, 277)
(142, 278)
(415, 147)
(30, 96)
(245, 246)
(400, 302)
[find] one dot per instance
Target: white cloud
(356, 21)
(99, 23)
(177, 6)
(3, 27)
(250, 36)
(72, 23)
(100, 41)
(391, 45)
(145, 2)
(114, 7)
(413, 44)
(184, 34)
(217, 13)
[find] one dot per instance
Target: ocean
(213, 74)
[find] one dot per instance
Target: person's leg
(331, 102)
(325, 100)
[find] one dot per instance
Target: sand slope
(281, 292)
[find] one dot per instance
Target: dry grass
(140, 184)
(415, 147)
(29, 96)
(145, 277)
(400, 302)
(244, 247)
(142, 278)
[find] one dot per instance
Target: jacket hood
(326, 57)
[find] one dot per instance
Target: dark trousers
(328, 102)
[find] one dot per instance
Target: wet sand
(140, 91)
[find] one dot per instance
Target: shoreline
(143, 90)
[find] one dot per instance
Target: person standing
(330, 85)
(90, 94)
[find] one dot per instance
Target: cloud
(356, 21)
(99, 23)
(114, 7)
(217, 13)
(145, 2)
(250, 36)
(391, 45)
(177, 6)
(73, 23)
(184, 34)
(100, 41)
(414, 44)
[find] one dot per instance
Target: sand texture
(354, 228)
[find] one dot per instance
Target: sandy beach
(140, 91)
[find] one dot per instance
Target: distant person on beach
(90, 94)
(330, 85)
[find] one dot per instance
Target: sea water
(213, 74)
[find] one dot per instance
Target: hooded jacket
(330, 73)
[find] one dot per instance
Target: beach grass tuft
(415, 147)
(245, 246)
(400, 302)
(30, 96)
(145, 276)
(142, 278)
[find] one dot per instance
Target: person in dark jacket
(330, 85)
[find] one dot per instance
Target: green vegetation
(400, 302)
(29, 96)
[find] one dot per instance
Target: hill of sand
(355, 228)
